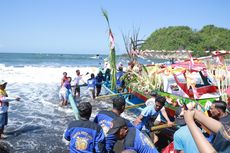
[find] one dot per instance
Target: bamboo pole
(111, 95)
(134, 106)
(158, 127)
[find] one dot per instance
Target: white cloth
(3, 106)
(77, 80)
(63, 93)
(150, 101)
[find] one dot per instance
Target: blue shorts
(3, 120)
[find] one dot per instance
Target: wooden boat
(130, 98)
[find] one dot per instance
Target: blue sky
(77, 26)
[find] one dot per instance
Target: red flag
(111, 39)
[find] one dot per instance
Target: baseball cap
(179, 120)
(117, 123)
(2, 82)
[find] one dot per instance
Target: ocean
(36, 123)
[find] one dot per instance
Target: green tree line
(209, 38)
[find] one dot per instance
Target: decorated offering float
(196, 82)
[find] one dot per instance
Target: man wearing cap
(133, 139)
(4, 104)
(85, 136)
(104, 119)
(183, 140)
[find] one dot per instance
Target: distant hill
(183, 37)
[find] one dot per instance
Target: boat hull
(170, 108)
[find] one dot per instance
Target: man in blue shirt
(85, 136)
(133, 138)
(120, 83)
(104, 119)
(183, 140)
(149, 114)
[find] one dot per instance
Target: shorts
(63, 94)
(3, 120)
(98, 86)
(76, 89)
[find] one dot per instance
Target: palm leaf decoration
(112, 53)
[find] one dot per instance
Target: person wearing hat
(132, 138)
(183, 140)
(4, 104)
(85, 135)
(2, 88)
(104, 119)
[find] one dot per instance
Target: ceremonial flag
(112, 53)
(111, 39)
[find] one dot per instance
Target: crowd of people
(107, 129)
(94, 84)
(109, 132)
